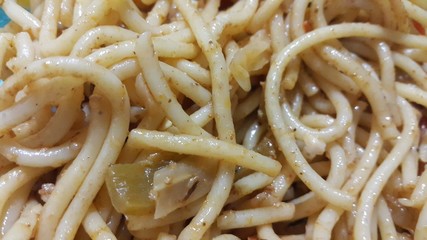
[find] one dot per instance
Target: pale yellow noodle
(204, 146)
(385, 221)
(307, 205)
(317, 120)
(42, 157)
(34, 124)
(320, 35)
(311, 59)
(421, 228)
(414, 54)
(382, 173)
(256, 216)
(95, 225)
(49, 19)
(412, 68)
(210, 10)
(150, 104)
(336, 177)
(320, 104)
(61, 122)
(159, 88)
(97, 36)
(253, 135)
(108, 82)
(263, 14)
(235, 19)
(409, 169)
(103, 204)
(248, 184)
(107, 155)
(412, 93)
(419, 195)
(15, 204)
(114, 53)
(74, 175)
(330, 215)
(219, 76)
(279, 30)
(307, 85)
(388, 77)
(25, 52)
(24, 227)
(300, 108)
(130, 16)
(16, 178)
(417, 12)
(267, 232)
(30, 104)
(248, 105)
(341, 123)
(223, 121)
(66, 13)
(21, 16)
(369, 86)
(159, 12)
(126, 69)
(5, 40)
(194, 70)
(51, 46)
(183, 35)
(186, 85)
(37, 9)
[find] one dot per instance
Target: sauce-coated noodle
(210, 119)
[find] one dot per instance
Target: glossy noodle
(210, 119)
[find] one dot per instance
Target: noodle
(210, 119)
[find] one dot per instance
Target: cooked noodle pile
(209, 119)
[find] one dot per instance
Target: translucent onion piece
(178, 184)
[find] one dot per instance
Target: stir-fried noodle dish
(210, 119)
